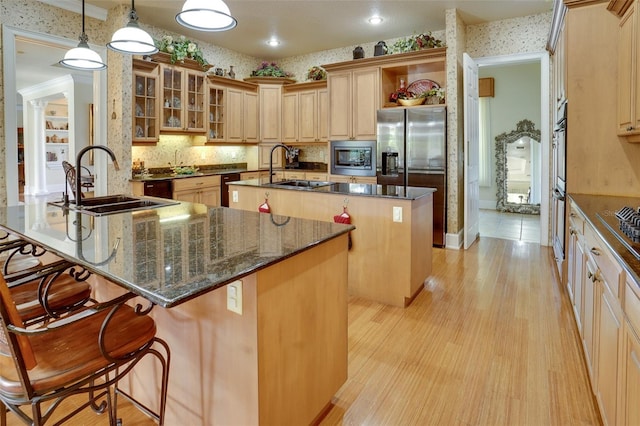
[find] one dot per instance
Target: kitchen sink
(112, 204)
(303, 184)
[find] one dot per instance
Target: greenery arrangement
(417, 42)
(180, 49)
(436, 92)
(269, 69)
(316, 73)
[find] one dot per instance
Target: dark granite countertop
(165, 176)
(358, 189)
(164, 173)
(170, 254)
(589, 205)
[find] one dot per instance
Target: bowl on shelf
(411, 102)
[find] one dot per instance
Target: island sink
(305, 184)
(111, 204)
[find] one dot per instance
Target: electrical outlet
(203, 156)
(234, 196)
(397, 214)
(233, 155)
(234, 297)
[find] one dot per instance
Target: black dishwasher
(224, 187)
(159, 188)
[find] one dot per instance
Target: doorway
(521, 92)
(36, 57)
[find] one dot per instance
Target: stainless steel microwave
(353, 158)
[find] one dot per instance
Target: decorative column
(38, 168)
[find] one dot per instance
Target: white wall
(517, 96)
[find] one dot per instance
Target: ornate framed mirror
(518, 165)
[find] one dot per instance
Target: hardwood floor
(490, 341)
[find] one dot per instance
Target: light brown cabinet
(609, 337)
(576, 274)
(254, 175)
(630, 383)
(629, 75)
(202, 189)
(183, 99)
(353, 179)
(145, 127)
(242, 115)
(595, 284)
(353, 104)
(302, 175)
(305, 112)
(271, 113)
(264, 150)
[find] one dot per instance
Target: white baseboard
(454, 241)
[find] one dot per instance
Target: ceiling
(303, 26)
(306, 26)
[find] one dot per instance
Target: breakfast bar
(252, 305)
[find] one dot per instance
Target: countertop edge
(421, 191)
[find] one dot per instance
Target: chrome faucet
(281, 145)
(79, 165)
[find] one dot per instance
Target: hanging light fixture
(132, 39)
(82, 57)
(206, 15)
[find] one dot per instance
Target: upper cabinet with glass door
(183, 100)
(145, 102)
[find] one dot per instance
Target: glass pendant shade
(132, 39)
(206, 15)
(83, 58)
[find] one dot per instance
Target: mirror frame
(523, 128)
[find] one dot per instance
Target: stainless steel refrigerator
(412, 150)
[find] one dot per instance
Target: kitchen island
(391, 252)
(257, 323)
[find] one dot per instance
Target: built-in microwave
(354, 158)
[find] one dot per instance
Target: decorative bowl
(411, 102)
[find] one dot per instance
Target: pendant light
(132, 39)
(82, 57)
(206, 15)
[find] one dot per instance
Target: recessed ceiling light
(273, 42)
(375, 20)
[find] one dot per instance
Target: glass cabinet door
(216, 130)
(195, 102)
(172, 99)
(145, 105)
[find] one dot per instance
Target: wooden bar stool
(42, 291)
(86, 352)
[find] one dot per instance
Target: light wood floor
(490, 341)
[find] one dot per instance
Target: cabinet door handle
(595, 251)
(629, 128)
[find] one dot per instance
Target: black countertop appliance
(224, 187)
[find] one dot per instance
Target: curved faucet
(280, 145)
(79, 164)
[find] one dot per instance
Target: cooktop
(625, 225)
